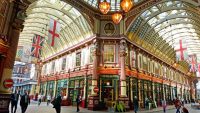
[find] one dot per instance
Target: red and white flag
(54, 29)
(198, 67)
(181, 51)
(192, 63)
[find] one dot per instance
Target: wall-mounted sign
(8, 83)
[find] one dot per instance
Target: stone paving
(43, 108)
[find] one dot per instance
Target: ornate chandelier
(126, 5)
(104, 7)
(116, 17)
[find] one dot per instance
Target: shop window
(71, 84)
(78, 59)
(63, 63)
(76, 83)
(109, 51)
(81, 83)
(133, 58)
(91, 54)
(164, 71)
(156, 68)
(145, 64)
(149, 65)
(140, 62)
(52, 67)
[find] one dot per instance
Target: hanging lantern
(104, 7)
(126, 5)
(116, 18)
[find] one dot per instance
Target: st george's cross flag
(192, 63)
(181, 50)
(198, 67)
(37, 46)
(54, 29)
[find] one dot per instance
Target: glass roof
(115, 4)
(164, 24)
(74, 26)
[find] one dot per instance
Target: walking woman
(135, 104)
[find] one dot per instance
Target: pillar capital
(95, 47)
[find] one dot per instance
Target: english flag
(54, 29)
(198, 67)
(37, 46)
(192, 63)
(181, 51)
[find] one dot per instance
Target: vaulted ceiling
(157, 28)
(162, 25)
(75, 26)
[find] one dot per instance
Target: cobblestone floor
(43, 108)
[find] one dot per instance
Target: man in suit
(14, 101)
(25, 100)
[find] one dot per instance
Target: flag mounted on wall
(54, 29)
(181, 51)
(192, 63)
(37, 46)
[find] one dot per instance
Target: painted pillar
(12, 26)
(94, 75)
(122, 70)
(85, 89)
(123, 96)
(94, 98)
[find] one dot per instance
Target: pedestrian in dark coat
(14, 101)
(57, 104)
(24, 102)
(78, 101)
(135, 104)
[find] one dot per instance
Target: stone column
(94, 98)
(123, 96)
(13, 26)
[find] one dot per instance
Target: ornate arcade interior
(99, 60)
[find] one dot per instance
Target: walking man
(164, 105)
(57, 103)
(135, 104)
(48, 99)
(78, 101)
(14, 101)
(177, 105)
(24, 102)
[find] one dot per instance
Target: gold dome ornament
(126, 5)
(104, 7)
(116, 17)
